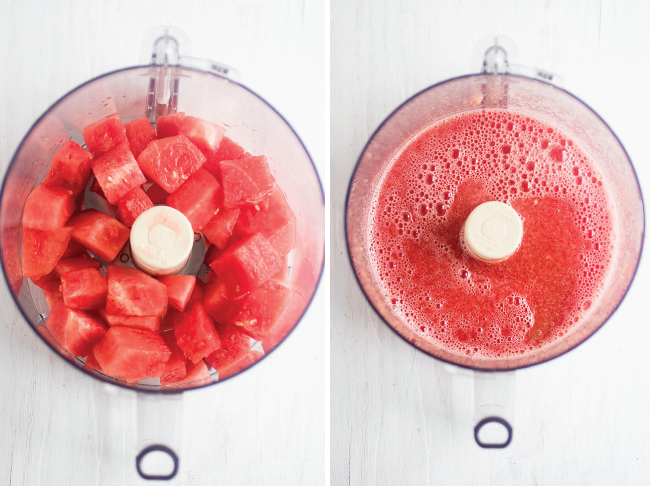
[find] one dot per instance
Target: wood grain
(266, 427)
(398, 417)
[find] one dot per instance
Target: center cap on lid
(161, 241)
(493, 232)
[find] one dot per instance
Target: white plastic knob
(161, 241)
(493, 232)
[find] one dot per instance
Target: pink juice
(491, 309)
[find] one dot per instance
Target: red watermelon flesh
(217, 302)
(133, 354)
(220, 227)
(70, 168)
(261, 309)
(117, 172)
(157, 194)
(96, 188)
(77, 331)
(170, 318)
(247, 264)
(212, 254)
(48, 208)
(195, 334)
(234, 354)
(274, 219)
(74, 250)
(282, 277)
(84, 289)
(169, 125)
(42, 250)
(292, 313)
(169, 162)
(52, 293)
(66, 265)
(98, 232)
(9, 235)
(204, 134)
(179, 289)
(140, 133)
(149, 323)
(175, 369)
(198, 198)
(228, 150)
(134, 293)
(246, 181)
(91, 363)
(105, 134)
(197, 374)
(132, 205)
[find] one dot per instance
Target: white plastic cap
(493, 232)
(161, 241)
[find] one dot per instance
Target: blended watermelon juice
(491, 309)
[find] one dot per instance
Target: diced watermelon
(261, 309)
(76, 330)
(96, 188)
(171, 161)
(170, 318)
(197, 374)
(149, 323)
(169, 125)
(246, 181)
(140, 133)
(52, 293)
(134, 293)
(91, 363)
(105, 134)
(274, 219)
(84, 289)
(293, 311)
(133, 354)
(66, 265)
(213, 253)
(98, 232)
(70, 168)
(175, 369)
(9, 235)
(228, 150)
(179, 289)
(234, 354)
(74, 250)
(247, 264)
(198, 198)
(132, 205)
(216, 301)
(195, 334)
(46, 279)
(48, 208)
(42, 250)
(220, 227)
(204, 134)
(282, 277)
(157, 194)
(117, 172)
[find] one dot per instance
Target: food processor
(530, 92)
(171, 83)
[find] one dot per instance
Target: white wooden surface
(398, 417)
(266, 427)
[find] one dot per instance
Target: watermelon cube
(117, 172)
(179, 289)
(175, 369)
(98, 232)
(247, 264)
(234, 354)
(48, 208)
(133, 354)
(77, 331)
(96, 188)
(66, 265)
(214, 252)
(293, 311)
(52, 292)
(273, 218)
(140, 133)
(9, 235)
(134, 293)
(195, 334)
(220, 227)
(70, 168)
(261, 309)
(217, 302)
(197, 374)
(42, 250)
(169, 125)
(228, 150)
(198, 198)
(132, 205)
(169, 320)
(171, 161)
(91, 363)
(105, 134)
(74, 250)
(204, 134)
(84, 289)
(157, 194)
(246, 181)
(148, 323)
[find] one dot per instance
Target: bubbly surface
(498, 309)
